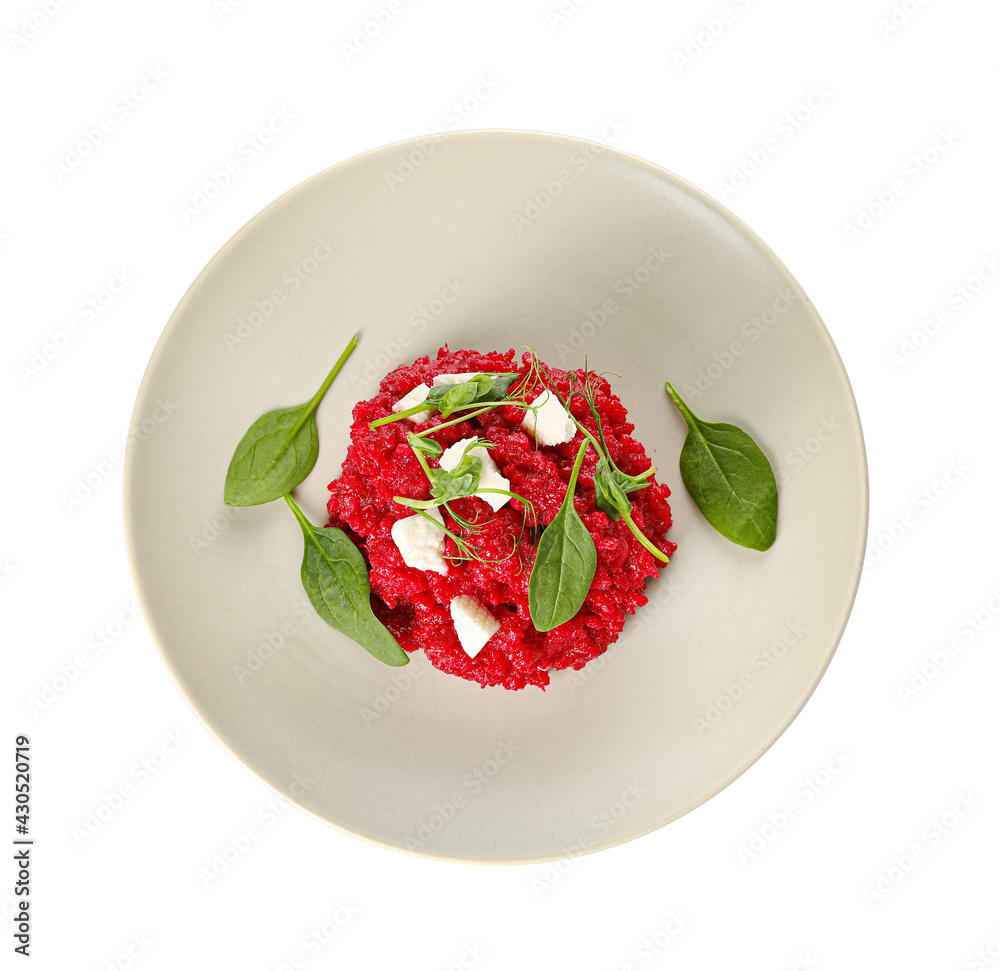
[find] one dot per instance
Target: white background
(904, 115)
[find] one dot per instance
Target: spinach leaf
(335, 577)
(279, 450)
(275, 455)
(730, 479)
(564, 565)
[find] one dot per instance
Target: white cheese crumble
(420, 542)
(455, 378)
(474, 624)
(418, 394)
(490, 478)
(551, 424)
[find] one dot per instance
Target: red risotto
(416, 604)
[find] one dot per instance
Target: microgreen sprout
(611, 484)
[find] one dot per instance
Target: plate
(493, 240)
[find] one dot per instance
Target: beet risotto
(453, 580)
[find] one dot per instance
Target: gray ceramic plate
(495, 240)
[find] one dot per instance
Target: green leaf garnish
(335, 577)
(446, 484)
(564, 565)
(279, 449)
(610, 482)
(483, 389)
(460, 482)
(427, 446)
(730, 479)
(612, 486)
(457, 396)
(502, 384)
